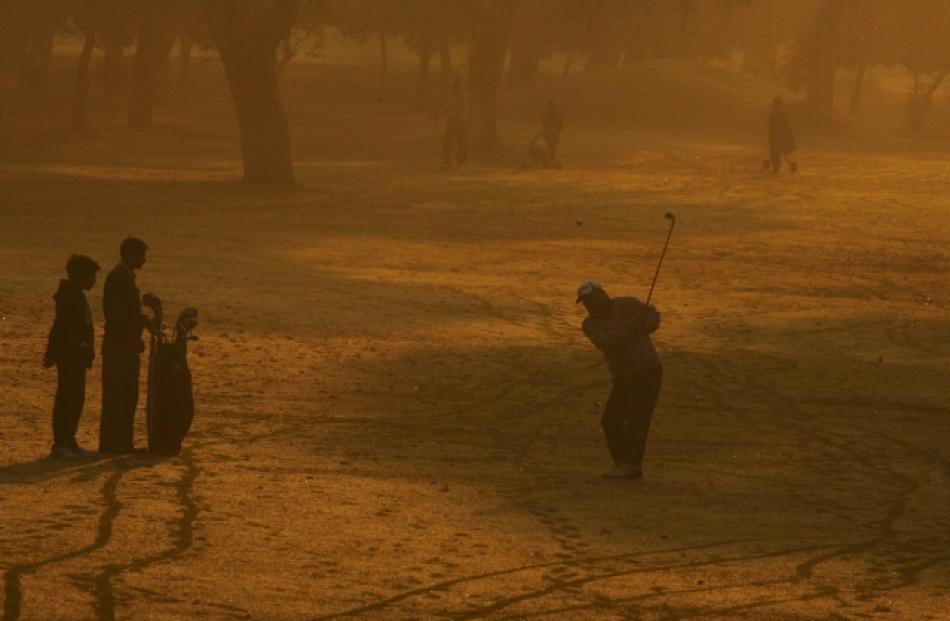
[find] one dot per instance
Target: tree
(85, 15)
(822, 55)
(144, 66)
(247, 33)
(530, 42)
(924, 49)
(489, 22)
(428, 27)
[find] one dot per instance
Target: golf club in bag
(170, 404)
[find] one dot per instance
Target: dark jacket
(71, 339)
(551, 121)
(122, 306)
(626, 349)
(780, 132)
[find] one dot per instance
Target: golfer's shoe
(81, 452)
(624, 471)
(63, 452)
(119, 450)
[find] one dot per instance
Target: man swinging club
(621, 328)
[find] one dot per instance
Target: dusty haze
(398, 416)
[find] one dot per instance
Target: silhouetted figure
(122, 347)
(781, 139)
(71, 347)
(620, 328)
(551, 125)
(456, 108)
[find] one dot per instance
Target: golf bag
(538, 154)
(536, 157)
(786, 150)
(170, 405)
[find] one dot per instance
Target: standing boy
(71, 348)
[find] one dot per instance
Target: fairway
(398, 416)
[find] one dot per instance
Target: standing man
(551, 125)
(781, 139)
(122, 347)
(71, 349)
(456, 109)
(620, 328)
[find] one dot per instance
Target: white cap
(586, 289)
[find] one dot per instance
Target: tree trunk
(112, 66)
(163, 52)
(37, 56)
(248, 46)
(144, 67)
(527, 47)
(383, 65)
(922, 100)
(445, 61)
(82, 82)
(422, 87)
(823, 59)
(491, 28)
(854, 106)
(286, 53)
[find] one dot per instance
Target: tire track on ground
(184, 538)
(13, 578)
(579, 582)
(816, 430)
(447, 584)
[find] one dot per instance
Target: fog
(391, 221)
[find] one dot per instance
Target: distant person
(456, 109)
(621, 328)
(551, 125)
(122, 347)
(781, 139)
(71, 347)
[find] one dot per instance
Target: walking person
(551, 125)
(781, 138)
(71, 348)
(621, 328)
(122, 348)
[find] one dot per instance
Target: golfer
(620, 328)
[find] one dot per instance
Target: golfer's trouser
(551, 140)
(775, 155)
(628, 414)
(455, 143)
(68, 404)
(120, 396)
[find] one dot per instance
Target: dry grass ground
(398, 417)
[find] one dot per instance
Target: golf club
(669, 216)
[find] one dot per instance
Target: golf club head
(187, 320)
